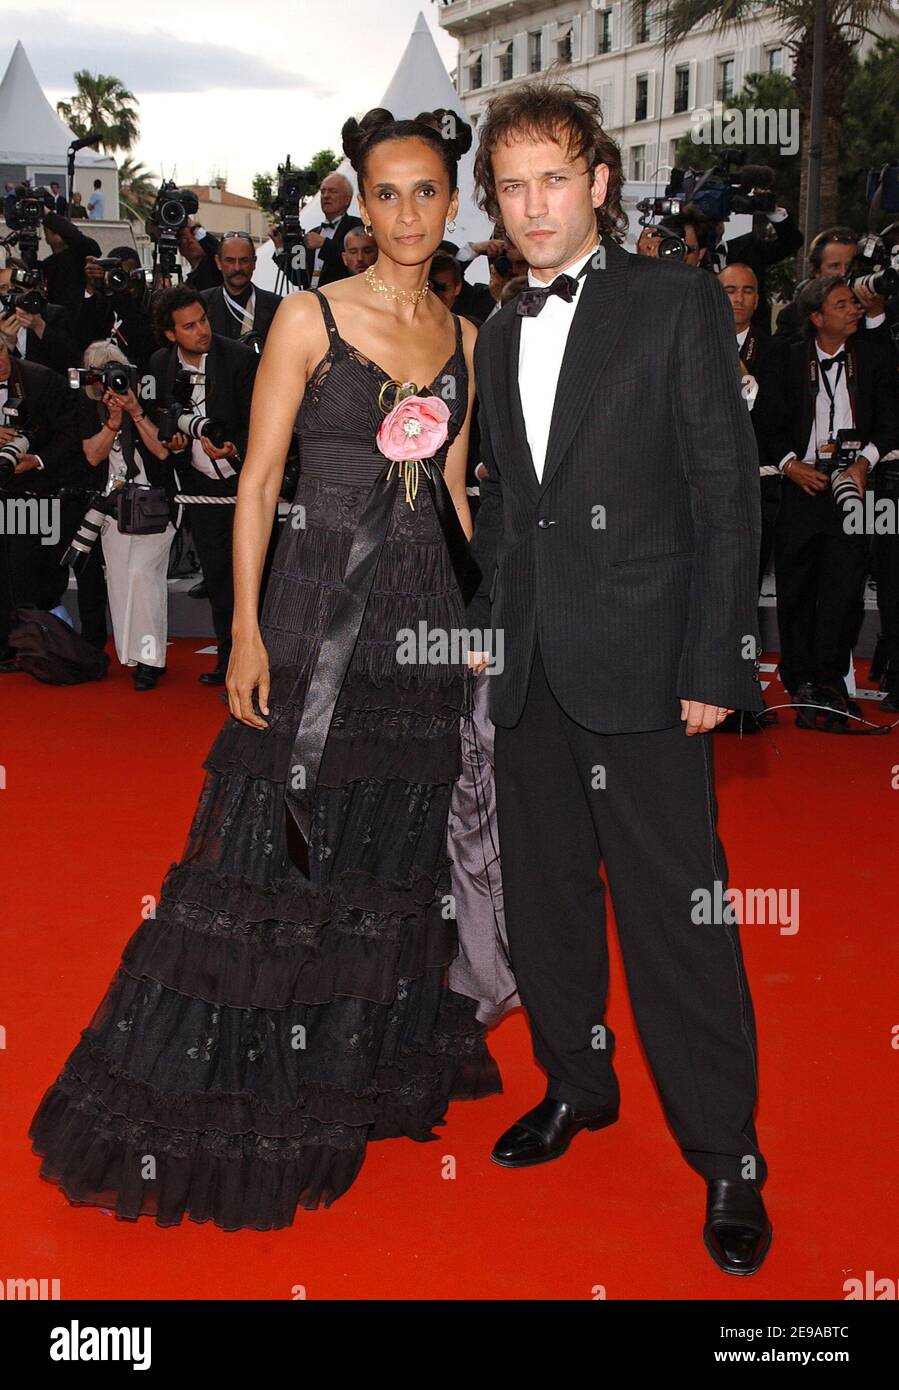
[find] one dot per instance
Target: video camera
(112, 376)
(717, 192)
(24, 222)
(171, 210)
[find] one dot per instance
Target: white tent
(420, 83)
(34, 141)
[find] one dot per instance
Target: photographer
(63, 269)
(324, 243)
(222, 393)
(44, 459)
(832, 252)
(120, 441)
(764, 365)
(761, 252)
(237, 308)
(834, 381)
(44, 336)
(200, 249)
(122, 315)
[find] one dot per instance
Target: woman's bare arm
(277, 394)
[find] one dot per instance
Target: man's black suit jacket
(230, 374)
(57, 348)
(767, 364)
(223, 321)
(50, 408)
(63, 271)
(635, 560)
(333, 267)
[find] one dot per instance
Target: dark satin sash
(343, 628)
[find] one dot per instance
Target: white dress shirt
(220, 468)
(327, 231)
(842, 413)
(540, 352)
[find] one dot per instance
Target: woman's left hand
(126, 402)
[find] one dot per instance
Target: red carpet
(100, 786)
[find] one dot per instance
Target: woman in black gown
(288, 1001)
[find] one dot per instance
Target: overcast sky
(226, 87)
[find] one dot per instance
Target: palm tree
(847, 22)
(137, 190)
(104, 104)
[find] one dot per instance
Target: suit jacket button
(545, 521)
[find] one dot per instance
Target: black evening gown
(267, 1022)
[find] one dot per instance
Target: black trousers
(770, 495)
(91, 582)
(212, 527)
(568, 800)
(820, 574)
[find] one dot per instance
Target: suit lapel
(599, 319)
(509, 399)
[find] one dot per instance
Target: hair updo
(445, 131)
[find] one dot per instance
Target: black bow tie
(828, 362)
(532, 300)
(322, 225)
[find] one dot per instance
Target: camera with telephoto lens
(846, 492)
(30, 301)
(100, 506)
(179, 416)
(14, 417)
(876, 266)
(120, 377)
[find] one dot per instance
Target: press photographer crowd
(123, 389)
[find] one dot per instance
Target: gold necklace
(380, 286)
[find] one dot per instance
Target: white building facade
(647, 94)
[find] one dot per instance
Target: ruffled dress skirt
(264, 1025)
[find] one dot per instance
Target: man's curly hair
(552, 110)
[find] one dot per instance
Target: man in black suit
(59, 203)
(833, 252)
(124, 316)
(52, 460)
(224, 394)
(764, 363)
(200, 249)
(618, 539)
(760, 253)
(324, 243)
(834, 380)
(45, 337)
(63, 269)
(237, 308)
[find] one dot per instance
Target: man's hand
(700, 718)
(858, 471)
(227, 451)
(7, 435)
(36, 322)
(806, 476)
(313, 240)
(94, 274)
(9, 329)
(494, 247)
(27, 462)
(873, 304)
(176, 443)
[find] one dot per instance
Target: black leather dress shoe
(145, 677)
(545, 1132)
(198, 590)
(737, 1232)
(214, 677)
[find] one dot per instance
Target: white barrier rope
(284, 508)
